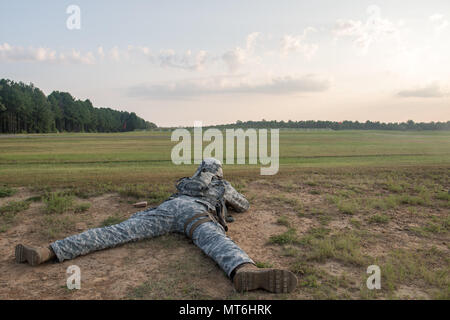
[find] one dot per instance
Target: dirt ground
(171, 267)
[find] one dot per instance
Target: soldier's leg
(145, 224)
(211, 238)
(33, 255)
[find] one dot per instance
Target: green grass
(289, 251)
(136, 191)
(8, 213)
(314, 233)
(342, 247)
(321, 246)
(383, 203)
(413, 200)
(348, 206)
(263, 264)
(56, 226)
(111, 220)
(35, 199)
(427, 267)
(287, 237)
(82, 207)
(6, 191)
(294, 203)
(379, 218)
(14, 207)
(394, 186)
(443, 195)
(361, 178)
(319, 283)
(284, 221)
(324, 219)
(436, 226)
(159, 194)
(356, 223)
(81, 159)
(57, 202)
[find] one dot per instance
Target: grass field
(136, 157)
(340, 202)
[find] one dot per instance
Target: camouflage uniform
(204, 192)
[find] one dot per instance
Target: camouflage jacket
(215, 193)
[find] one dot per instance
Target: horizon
(223, 62)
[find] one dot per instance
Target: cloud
(433, 90)
(439, 23)
(297, 43)
(236, 58)
(231, 85)
(165, 58)
(101, 52)
(114, 54)
(13, 53)
(10, 53)
(76, 57)
(364, 34)
(186, 61)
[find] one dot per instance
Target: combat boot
(33, 256)
(249, 277)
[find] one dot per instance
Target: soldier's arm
(234, 199)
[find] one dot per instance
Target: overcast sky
(174, 62)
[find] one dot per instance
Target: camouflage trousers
(170, 216)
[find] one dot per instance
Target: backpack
(211, 193)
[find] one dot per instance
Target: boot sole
(26, 254)
(272, 280)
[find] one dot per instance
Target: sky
(176, 62)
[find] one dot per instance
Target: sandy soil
(113, 273)
(170, 266)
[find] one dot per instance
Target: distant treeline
(344, 125)
(25, 109)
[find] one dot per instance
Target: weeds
(385, 203)
(134, 191)
(82, 207)
(436, 226)
(289, 251)
(288, 237)
(294, 203)
(14, 207)
(262, 264)
(57, 202)
(8, 213)
(53, 227)
(393, 186)
(342, 247)
(349, 207)
(6, 192)
(412, 200)
(379, 218)
(355, 223)
(158, 195)
(424, 265)
(442, 195)
(284, 221)
(111, 220)
(35, 199)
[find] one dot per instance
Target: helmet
(211, 165)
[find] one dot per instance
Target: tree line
(24, 108)
(336, 125)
